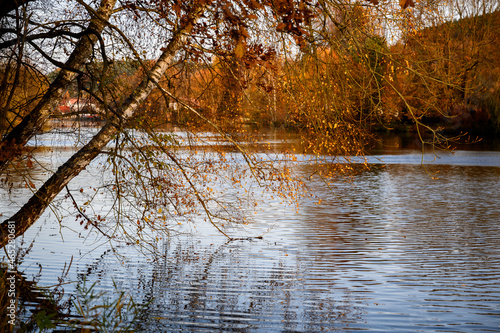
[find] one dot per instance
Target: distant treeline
(447, 76)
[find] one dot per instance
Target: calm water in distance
(392, 250)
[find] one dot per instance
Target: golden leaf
(239, 51)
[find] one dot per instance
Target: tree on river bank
(162, 182)
(326, 65)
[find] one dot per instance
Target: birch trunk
(11, 145)
(35, 207)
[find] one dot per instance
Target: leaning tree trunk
(17, 138)
(37, 204)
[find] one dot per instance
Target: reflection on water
(244, 287)
(392, 250)
(427, 251)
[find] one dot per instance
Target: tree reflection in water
(235, 286)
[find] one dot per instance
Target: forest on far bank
(454, 65)
(446, 76)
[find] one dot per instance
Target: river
(401, 247)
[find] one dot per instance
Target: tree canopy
(322, 68)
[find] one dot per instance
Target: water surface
(400, 247)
